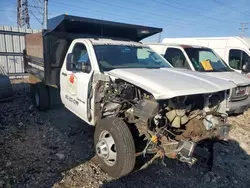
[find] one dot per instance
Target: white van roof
(180, 45)
(190, 40)
(247, 41)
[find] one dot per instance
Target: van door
(75, 79)
(237, 58)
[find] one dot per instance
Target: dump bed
(45, 51)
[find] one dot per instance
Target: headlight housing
(239, 93)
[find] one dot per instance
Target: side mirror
(70, 62)
(246, 67)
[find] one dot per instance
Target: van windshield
(122, 56)
(205, 60)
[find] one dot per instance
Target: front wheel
(114, 146)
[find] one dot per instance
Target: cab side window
(176, 58)
(81, 57)
(238, 58)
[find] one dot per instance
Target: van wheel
(40, 96)
(114, 146)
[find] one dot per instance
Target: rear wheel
(114, 146)
(40, 96)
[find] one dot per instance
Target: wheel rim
(37, 99)
(106, 149)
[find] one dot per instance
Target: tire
(32, 91)
(54, 98)
(124, 147)
(40, 96)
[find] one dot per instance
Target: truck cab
(137, 102)
(205, 60)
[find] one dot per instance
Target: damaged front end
(182, 128)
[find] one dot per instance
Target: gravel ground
(55, 149)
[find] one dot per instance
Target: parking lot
(55, 148)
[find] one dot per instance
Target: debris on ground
(55, 149)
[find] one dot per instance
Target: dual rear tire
(40, 96)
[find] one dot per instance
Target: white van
(235, 51)
(204, 59)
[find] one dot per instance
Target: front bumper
(189, 151)
(235, 107)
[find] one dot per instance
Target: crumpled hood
(235, 77)
(167, 83)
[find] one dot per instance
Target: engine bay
(172, 127)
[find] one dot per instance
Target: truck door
(75, 79)
(176, 58)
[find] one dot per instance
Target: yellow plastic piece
(206, 65)
(154, 139)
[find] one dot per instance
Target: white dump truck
(205, 60)
(138, 104)
(235, 51)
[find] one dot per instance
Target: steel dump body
(45, 52)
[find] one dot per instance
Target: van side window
(81, 57)
(176, 58)
(237, 58)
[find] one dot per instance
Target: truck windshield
(205, 60)
(120, 56)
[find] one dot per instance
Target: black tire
(54, 98)
(124, 143)
(32, 91)
(40, 96)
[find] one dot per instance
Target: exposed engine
(172, 127)
(177, 111)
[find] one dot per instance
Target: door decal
(72, 84)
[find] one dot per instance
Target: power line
(111, 13)
(231, 7)
(39, 10)
(184, 10)
(4, 10)
(194, 13)
(178, 3)
(42, 9)
(38, 20)
(163, 16)
(159, 16)
(74, 7)
(32, 6)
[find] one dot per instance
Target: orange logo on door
(71, 79)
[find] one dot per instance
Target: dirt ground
(55, 149)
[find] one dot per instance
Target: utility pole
(243, 28)
(23, 19)
(159, 39)
(45, 16)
